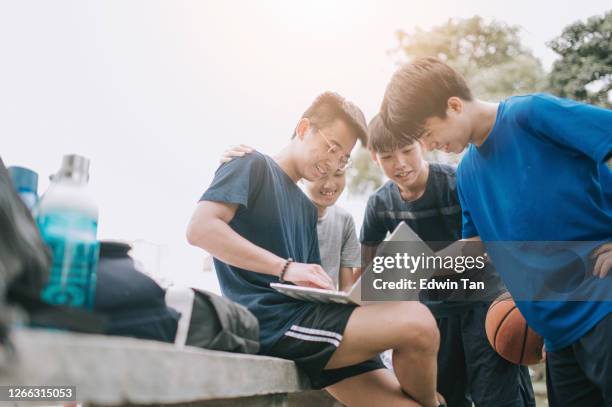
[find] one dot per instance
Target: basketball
(509, 334)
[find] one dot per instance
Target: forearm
(357, 272)
(346, 278)
(221, 241)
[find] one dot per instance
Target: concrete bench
(115, 371)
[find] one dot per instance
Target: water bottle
(68, 222)
(25, 182)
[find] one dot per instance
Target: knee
(419, 330)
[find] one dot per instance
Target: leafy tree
(489, 54)
(584, 70)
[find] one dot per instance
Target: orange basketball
(509, 334)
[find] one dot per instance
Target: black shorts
(312, 340)
(469, 369)
(581, 374)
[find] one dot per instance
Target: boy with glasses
(338, 244)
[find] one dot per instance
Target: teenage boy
(338, 244)
(424, 196)
(534, 171)
(261, 228)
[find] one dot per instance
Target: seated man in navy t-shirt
(260, 227)
(535, 173)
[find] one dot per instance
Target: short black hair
(329, 107)
(381, 139)
(420, 90)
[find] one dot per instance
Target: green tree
(488, 53)
(584, 69)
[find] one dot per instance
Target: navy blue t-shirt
(540, 176)
(435, 217)
(274, 214)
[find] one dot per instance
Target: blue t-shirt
(274, 214)
(541, 176)
(435, 217)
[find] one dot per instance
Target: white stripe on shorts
(319, 332)
(312, 338)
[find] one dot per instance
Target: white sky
(153, 91)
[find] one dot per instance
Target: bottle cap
(74, 167)
(24, 179)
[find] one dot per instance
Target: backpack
(133, 301)
(24, 258)
(213, 322)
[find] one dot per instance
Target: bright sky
(153, 91)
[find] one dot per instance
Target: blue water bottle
(25, 182)
(68, 222)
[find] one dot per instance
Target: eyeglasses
(344, 161)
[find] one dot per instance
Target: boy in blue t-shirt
(535, 171)
(424, 196)
(261, 228)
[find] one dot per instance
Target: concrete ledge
(121, 371)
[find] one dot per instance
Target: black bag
(213, 322)
(24, 258)
(134, 303)
(220, 324)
